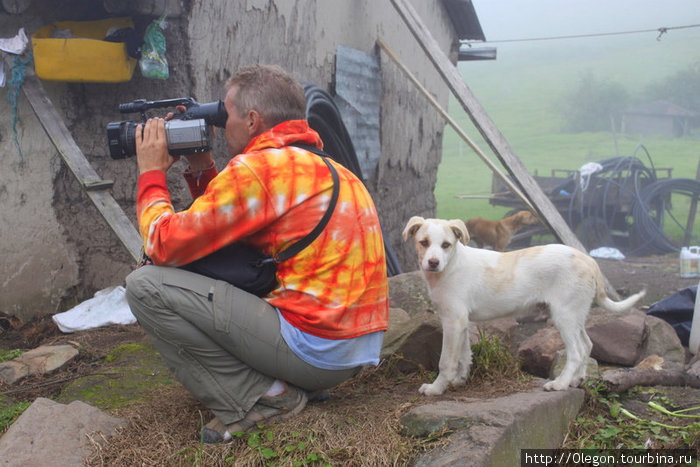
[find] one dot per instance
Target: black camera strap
(311, 236)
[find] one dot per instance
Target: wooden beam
(487, 127)
(95, 187)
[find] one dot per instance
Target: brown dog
(496, 234)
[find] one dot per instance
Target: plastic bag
(153, 62)
(108, 306)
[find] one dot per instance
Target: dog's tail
(622, 305)
(604, 301)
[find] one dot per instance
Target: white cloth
(15, 45)
(108, 306)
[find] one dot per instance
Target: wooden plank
(92, 183)
(487, 127)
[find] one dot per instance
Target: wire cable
(662, 30)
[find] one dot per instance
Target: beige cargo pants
(222, 343)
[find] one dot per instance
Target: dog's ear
(414, 223)
(459, 229)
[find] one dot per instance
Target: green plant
(492, 359)
(605, 422)
(11, 354)
(9, 413)
(276, 448)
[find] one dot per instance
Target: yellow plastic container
(85, 57)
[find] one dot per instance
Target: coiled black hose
(629, 180)
(324, 117)
(654, 199)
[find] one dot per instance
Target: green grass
(521, 90)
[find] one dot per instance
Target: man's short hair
(270, 91)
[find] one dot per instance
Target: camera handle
(141, 105)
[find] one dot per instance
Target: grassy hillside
(521, 91)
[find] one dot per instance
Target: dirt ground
(358, 425)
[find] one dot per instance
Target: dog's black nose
(433, 263)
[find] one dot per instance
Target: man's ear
(254, 123)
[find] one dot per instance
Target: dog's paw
(555, 386)
(430, 390)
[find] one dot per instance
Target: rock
(418, 341)
(491, 432)
(409, 291)
(618, 340)
(693, 368)
(415, 332)
(397, 332)
(592, 370)
(49, 433)
(39, 361)
(537, 352)
(663, 341)
(652, 362)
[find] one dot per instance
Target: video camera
(186, 133)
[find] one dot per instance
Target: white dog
(475, 284)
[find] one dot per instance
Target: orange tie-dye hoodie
(271, 196)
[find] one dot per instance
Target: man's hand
(198, 162)
(152, 148)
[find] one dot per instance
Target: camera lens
(121, 138)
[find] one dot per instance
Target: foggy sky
(521, 19)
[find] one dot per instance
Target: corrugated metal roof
(464, 19)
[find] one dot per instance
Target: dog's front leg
(465, 358)
(450, 356)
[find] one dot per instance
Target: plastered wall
(56, 249)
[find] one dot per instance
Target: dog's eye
(446, 245)
(424, 243)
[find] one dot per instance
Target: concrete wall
(56, 248)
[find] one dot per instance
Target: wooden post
(691, 212)
(95, 187)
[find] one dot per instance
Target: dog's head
(527, 218)
(435, 240)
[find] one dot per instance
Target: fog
(525, 19)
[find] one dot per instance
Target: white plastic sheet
(108, 306)
(607, 253)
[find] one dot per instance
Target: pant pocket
(222, 301)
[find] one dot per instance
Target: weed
(9, 413)
(11, 354)
(274, 447)
(492, 359)
(609, 421)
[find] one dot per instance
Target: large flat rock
(491, 432)
(49, 433)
